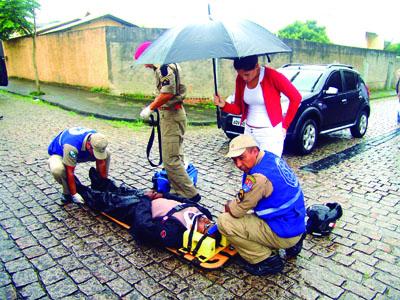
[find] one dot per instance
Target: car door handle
(344, 101)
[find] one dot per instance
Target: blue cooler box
(161, 183)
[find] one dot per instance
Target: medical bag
(161, 183)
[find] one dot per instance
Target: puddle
(348, 153)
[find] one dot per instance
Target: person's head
(139, 51)
(243, 150)
(96, 144)
(247, 67)
(203, 224)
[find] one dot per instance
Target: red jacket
(272, 85)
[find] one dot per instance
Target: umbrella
(212, 39)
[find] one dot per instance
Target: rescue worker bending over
(154, 218)
(72, 146)
(169, 102)
(271, 189)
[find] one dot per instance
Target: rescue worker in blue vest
(169, 102)
(72, 146)
(272, 191)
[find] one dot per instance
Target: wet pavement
(50, 251)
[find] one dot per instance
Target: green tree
(308, 31)
(394, 48)
(17, 17)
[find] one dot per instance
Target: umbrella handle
(218, 110)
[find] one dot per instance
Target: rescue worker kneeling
(271, 189)
(154, 218)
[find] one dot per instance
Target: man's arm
(70, 154)
(101, 167)
(160, 100)
(71, 179)
(256, 187)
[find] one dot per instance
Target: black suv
(334, 97)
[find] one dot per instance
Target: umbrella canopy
(212, 39)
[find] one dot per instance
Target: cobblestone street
(50, 251)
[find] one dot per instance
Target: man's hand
(76, 198)
(219, 101)
(146, 112)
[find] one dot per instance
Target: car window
(289, 74)
(334, 81)
(350, 80)
(303, 80)
(361, 86)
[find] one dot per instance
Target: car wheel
(307, 137)
(361, 126)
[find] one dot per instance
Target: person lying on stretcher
(155, 219)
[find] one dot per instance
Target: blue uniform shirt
(69, 144)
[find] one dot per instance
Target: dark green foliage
(16, 17)
(394, 48)
(308, 31)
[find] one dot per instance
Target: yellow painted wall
(73, 57)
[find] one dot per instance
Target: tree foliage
(394, 48)
(308, 31)
(17, 17)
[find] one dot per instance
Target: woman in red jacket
(258, 99)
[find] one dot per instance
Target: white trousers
(268, 138)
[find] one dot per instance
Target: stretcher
(208, 255)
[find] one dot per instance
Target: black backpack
(322, 218)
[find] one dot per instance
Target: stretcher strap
(155, 123)
(191, 232)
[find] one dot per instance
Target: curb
(101, 116)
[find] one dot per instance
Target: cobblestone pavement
(49, 251)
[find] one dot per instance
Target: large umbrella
(212, 39)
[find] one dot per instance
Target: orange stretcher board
(220, 255)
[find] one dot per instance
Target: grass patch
(202, 105)
(37, 93)
(136, 96)
(137, 125)
(102, 90)
(381, 93)
(31, 99)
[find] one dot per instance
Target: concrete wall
(376, 66)
(124, 75)
(103, 57)
(72, 58)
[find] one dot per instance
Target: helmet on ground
(141, 48)
(322, 218)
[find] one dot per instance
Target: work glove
(76, 198)
(146, 112)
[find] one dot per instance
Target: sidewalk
(100, 105)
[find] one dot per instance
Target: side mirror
(331, 91)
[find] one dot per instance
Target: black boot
(271, 265)
(292, 252)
